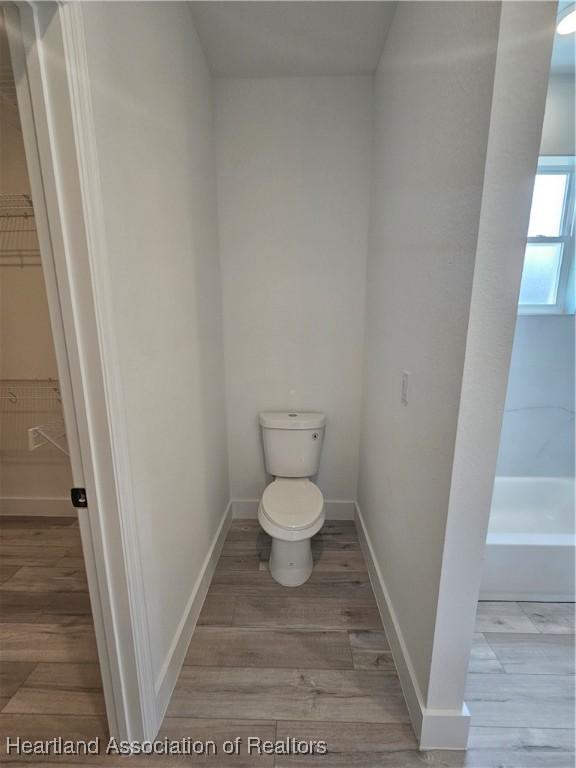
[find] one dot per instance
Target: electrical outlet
(404, 395)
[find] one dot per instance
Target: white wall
(25, 336)
(558, 129)
(433, 101)
(27, 351)
(511, 159)
(293, 183)
(538, 428)
(151, 96)
(13, 172)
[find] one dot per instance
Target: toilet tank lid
(292, 420)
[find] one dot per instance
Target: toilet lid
(293, 503)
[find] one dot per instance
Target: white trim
(247, 509)
(404, 666)
(445, 729)
(146, 723)
(34, 105)
(434, 728)
(166, 679)
(54, 101)
(36, 506)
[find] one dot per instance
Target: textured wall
(433, 91)
(151, 94)
(293, 184)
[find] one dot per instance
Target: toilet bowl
(291, 512)
(292, 507)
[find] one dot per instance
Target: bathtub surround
(538, 427)
(530, 545)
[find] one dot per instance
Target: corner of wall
(170, 669)
(434, 728)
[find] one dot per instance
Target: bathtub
(531, 543)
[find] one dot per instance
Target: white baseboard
(168, 675)
(435, 729)
(445, 729)
(31, 506)
(247, 509)
(410, 687)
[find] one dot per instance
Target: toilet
(291, 510)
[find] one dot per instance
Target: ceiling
(563, 53)
(282, 39)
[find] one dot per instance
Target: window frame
(565, 166)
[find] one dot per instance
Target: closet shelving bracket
(53, 433)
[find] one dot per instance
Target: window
(548, 274)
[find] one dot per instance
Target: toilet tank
(292, 442)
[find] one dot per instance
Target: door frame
(47, 49)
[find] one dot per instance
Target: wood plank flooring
(261, 650)
(49, 675)
(520, 688)
(311, 663)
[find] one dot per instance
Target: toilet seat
(294, 504)
(291, 509)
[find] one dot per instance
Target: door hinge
(78, 496)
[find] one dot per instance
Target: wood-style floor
(520, 688)
(310, 663)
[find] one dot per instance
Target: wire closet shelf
(31, 416)
(18, 238)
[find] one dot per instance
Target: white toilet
(292, 507)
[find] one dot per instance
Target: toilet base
(291, 562)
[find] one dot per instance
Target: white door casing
(48, 55)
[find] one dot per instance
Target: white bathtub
(531, 543)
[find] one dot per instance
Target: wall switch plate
(404, 395)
